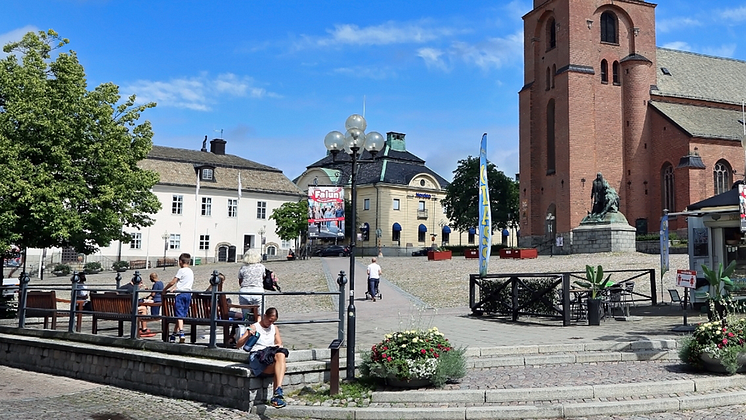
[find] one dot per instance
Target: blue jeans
(373, 286)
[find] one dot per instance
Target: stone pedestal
(592, 237)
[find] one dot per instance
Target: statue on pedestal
(605, 201)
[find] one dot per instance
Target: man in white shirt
(183, 281)
(374, 276)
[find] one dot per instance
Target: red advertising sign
(686, 278)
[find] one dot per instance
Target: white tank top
(266, 337)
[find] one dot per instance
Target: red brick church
(664, 127)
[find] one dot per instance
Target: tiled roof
(177, 167)
(698, 76)
(701, 121)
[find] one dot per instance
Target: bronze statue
(605, 199)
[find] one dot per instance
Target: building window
(608, 28)
(472, 234)
(421, 206)
(232, 208)
(615, 73)
(207, 174)
(397, 204)
(551, 34)
(174, 241)
(395, 235)
(366, 204)
(554, 73)
(286, 244)
(206, 206)
(604, 71)
(204, 242)
(548, 81)
(136, 240)
(668, 187)
(177, 204)
(261, 209)
(550, 138)
(446, 237)
(421, 236)
(271, 250)
(722, 174)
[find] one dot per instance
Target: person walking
(181, 282)
(251, 281)
(374, 276)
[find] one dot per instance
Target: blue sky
(276, 76)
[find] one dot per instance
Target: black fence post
(24, 279)
(75, 279)
(136, 280)
(214, 281)
(565, 299)
(334, 368)
(118, 279)
(514, 297)
(341, 281)
(653, 290)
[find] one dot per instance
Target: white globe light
(374, 141)
(356, 121)
(334, 141)
(355, 139)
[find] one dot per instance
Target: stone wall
(614, 237)
(216, 376)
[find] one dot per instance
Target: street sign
(686, 278)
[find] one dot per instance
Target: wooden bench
(44, 305)
(199, 314)
(138, 264)
(111, 306)
(168, 262)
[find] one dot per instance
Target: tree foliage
(291, 220)
(69, 154)
(461, 202)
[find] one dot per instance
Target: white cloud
(670, 25)
(196, 93)
(14, 35)
(728, 50)
(384, 34)
(488, 54)
(678, 45)
(734, 15)
(432, 58)
(360, 72)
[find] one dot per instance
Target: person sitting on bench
(129, 289)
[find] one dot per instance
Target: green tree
(291, 220)
(69, 155)
(461, 202)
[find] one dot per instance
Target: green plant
(722, 340)
(594, 280)
(62, 268)
(414, 354)
(120, 265)
(92, 266)
(720, 281)
(356, 393)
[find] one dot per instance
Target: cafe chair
(629, 293)
(675, 298)
(613, 300)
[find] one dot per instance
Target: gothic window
(722, 175)
(551, 34)
(668, 185)
(615, 72)
(554, 72)
(547, 82)
(604, 71)
(550, 138)
(608, 27)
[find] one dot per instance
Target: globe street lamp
(165, 248)
(354, 142)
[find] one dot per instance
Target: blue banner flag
(485, 218)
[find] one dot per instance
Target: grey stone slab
(620, 407)
(550, 359)
(653, 345)
(488, 362)
(603, 346)
(538, 394)
(712, 383)
(305, 412)
(560, 348)
(461, 396)
(650, 355)
(695, 402)
(643, 388)
(515, 412)
(597, 356)
(408, 413)
(509, 350)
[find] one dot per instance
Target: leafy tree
(292, 220)
(461, 202)
(69, 155)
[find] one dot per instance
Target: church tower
(589, 66)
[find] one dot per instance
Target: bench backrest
(111, 303)
(41, 300)
(199, 308)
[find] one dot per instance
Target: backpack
(269, 283)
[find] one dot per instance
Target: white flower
(414, 340)
(403, 345)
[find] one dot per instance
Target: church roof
(684, 74)
(702, 121)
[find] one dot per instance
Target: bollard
(24, 279)
(75, 279)
(214, 281)
(334, 368)
(136, 280)
(341, 281)
(118, 279)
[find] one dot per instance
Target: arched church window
(668, 185)
(604, 71)
(615, 73)
(550, 138)
(722, 175)
(608, 27)
(551, 34)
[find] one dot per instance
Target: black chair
(675, 298)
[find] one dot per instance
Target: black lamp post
(165, 248)
(354, 142)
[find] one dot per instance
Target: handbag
(251, 341)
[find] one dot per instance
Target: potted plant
(92, 267)
(120, 266)
(596, 284)
(414, 358)
(717, 346)
(720, 287)
(61, 270)
(437, 254)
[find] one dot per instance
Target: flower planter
(471, 253)
(408, 383)
(438, 255)
(714, 365)
(519, 253)
(594, 311)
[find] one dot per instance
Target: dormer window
(207, 174)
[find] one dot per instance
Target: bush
(92, 266)
(722, 340)
(120, 265)
(62, 268)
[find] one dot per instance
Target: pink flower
(384, 355)
(730, 334)
(389, 359)
(423, 351)
(725, 341)
(436, 355)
